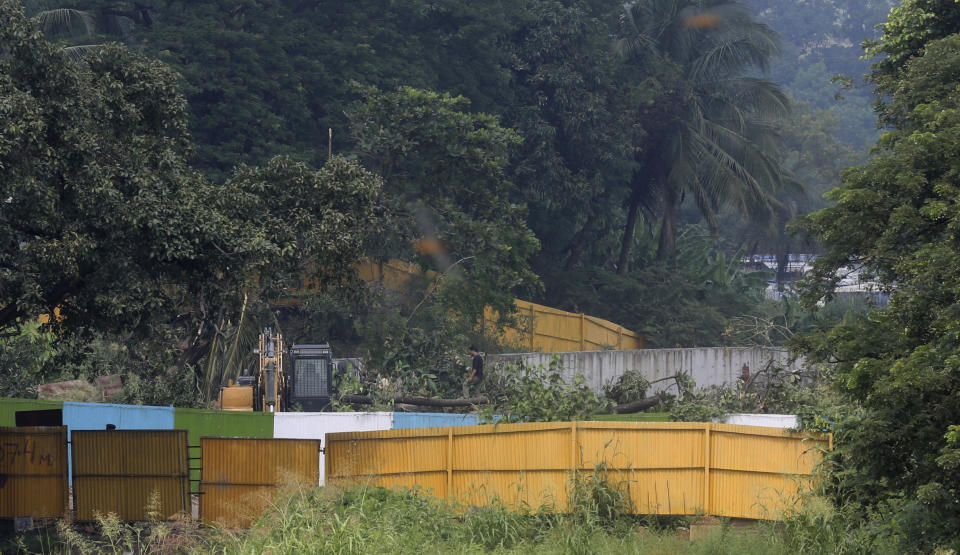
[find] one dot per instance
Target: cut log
(637, 406)
(421, 401)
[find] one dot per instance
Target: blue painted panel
(403, 420)
(96, 416)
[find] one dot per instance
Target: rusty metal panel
(118, 471)
(33, 471)
(240, 476)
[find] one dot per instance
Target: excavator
(306, 384)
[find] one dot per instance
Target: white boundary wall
(316, 425)
(706, 365)
(789, 421)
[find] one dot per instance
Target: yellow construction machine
(275, 389)
(267, 389)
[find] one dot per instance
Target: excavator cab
(306, 383)
(311, 377)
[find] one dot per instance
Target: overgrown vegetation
(895, 218)
(521, 393)
(376, 520)
(160, 202)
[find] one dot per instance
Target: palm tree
(711, 128)
(65, 23)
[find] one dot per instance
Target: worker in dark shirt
(476, 374)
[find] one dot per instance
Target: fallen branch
(637, 406)
(421, 401)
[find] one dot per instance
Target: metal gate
(33, 472)
(240, 476)
(122, 471)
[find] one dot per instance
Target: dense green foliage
(896, 217)
(595, 124)
(104, 220)
(569, 152)
(710, 123)
(520, 393)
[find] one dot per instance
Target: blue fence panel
(403, 420)
(96, 416)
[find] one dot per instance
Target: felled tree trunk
(637, 406)
(421, 401)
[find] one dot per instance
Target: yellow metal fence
(550, 330)
(118, 471)
(33, 472)
(240, 476)
(670, 468)
(539, 328)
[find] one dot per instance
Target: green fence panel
(218, 423)
(9, 408)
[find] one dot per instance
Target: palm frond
(78, 53)
(231, 351)
(65, 22)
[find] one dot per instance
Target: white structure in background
(708, 366)
(788, 421)
(316, 425)
(853, 283)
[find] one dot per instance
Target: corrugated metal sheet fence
(239, 476)
(118, 471)
(551, 330)
(217, 423)
(96, 416)
(669, 468)
(540, 328)
(33, 472)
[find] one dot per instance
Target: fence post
(533, 328)
(706, 468)
(581, 331)
(573, 456)
(573, 447)
(450, 462)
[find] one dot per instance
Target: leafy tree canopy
(103, 218)
(897, 217)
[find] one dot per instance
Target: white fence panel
(788, 421)
(316, 425)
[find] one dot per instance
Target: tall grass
(373, 520)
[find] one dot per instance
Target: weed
(117, 536)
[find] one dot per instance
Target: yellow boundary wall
(670, 468)
(539, 328)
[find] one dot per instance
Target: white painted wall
(707, 365)
(316, 425)
(788, 421)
